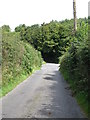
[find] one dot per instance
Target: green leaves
(18, 57)
(74, 63)
(6, 28)
(54, 37)
(47, 38)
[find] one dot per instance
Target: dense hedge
(74, 64)
(18, 58)
(75, 61)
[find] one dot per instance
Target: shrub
(18, 58)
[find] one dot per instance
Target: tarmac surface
(45, 94)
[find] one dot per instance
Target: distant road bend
(43, 95)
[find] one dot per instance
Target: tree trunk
(74, 13)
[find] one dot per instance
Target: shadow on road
(62, 104)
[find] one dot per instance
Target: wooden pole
(74, 14)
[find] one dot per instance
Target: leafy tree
(54, 38)
(6, 28)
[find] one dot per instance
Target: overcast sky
(29, 12)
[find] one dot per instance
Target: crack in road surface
(42, 95)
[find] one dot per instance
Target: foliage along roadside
(55, 39)
(19, 60)
(74, 66)
(52, 39)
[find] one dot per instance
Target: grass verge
(80, 96)
(11, 85)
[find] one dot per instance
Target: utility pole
(74, 14)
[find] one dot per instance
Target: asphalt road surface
(43, 95)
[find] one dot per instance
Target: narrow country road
(43, 95)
